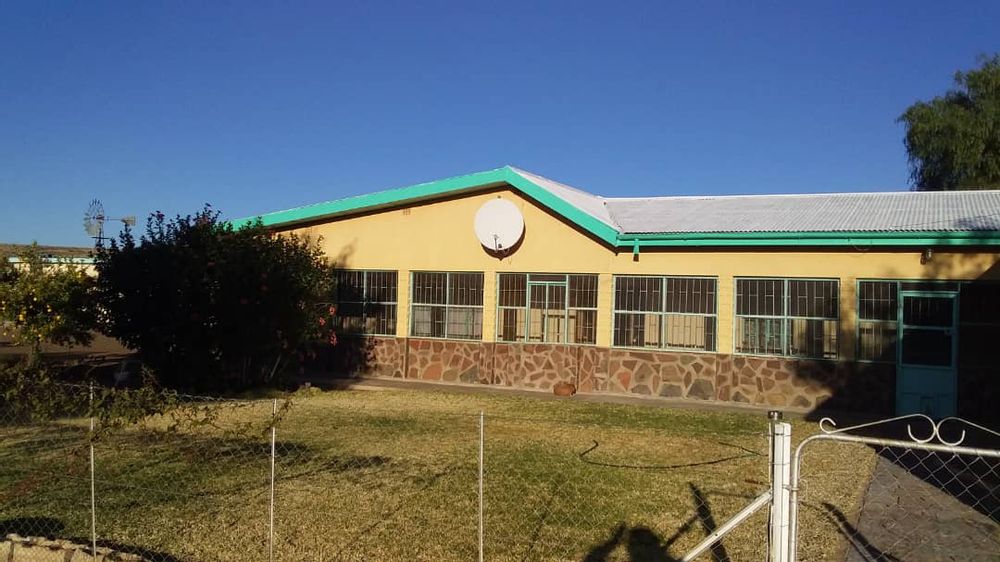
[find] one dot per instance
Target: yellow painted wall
(439, 237)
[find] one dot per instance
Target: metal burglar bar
(978, 318)
(550, 308)
(366, 301)
(665, 312)
(877, 321)
(791, 317)
(447, 305)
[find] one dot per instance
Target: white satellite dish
(499, 225)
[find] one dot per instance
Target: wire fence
(900, 497)
(329, 476)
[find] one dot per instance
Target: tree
(953, 141)
(211, 308)
(45, 301)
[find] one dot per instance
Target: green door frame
(952, 330)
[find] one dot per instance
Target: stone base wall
(443, 360)
(763, 381)
(539, 366)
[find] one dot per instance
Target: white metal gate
(922, 489)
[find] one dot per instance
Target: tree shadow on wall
(865, 390)
(351, 353)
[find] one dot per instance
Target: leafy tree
(953, 140)
(211, 308)
(45, 301)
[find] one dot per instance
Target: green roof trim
(856, 239)
(605, 232)
(376, 200)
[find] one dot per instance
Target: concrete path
(906, 518)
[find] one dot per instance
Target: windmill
(94, 219)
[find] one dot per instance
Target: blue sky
(255, 107)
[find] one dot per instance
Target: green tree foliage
(953, 140)
(45, 301)
(210, 308)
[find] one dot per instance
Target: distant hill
(54, 251)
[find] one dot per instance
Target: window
(447, 305)
(791, 317)
(366, 302)
(878, 311)
(665, 312)
(544, 307)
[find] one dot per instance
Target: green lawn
(393, 475)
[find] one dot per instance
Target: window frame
(858, 321)
(527, 307)
(364, 303)
(946, 286)
(785, 317)
(662, 313)
(447, 306)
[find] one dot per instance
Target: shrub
(212, 308)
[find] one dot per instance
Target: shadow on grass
(645, 545)
(747, 453)
(857, 541)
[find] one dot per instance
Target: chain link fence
(333, 476)
(887, 495)
(157, 476)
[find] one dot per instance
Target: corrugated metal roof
(839, 212)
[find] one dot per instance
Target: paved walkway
(906, 518)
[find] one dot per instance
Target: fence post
(270, 524)
(93, 485)
(781, 454)
(481, 432)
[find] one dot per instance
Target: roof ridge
(557, 182)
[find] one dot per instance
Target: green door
(927, 349)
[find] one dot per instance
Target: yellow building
(878, 302)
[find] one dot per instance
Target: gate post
(781, 456)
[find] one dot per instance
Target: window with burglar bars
(545, 307)
(365, 302)
(666, 312)
(789, 317)
(978, 318)
(878, 320)
(446, 305)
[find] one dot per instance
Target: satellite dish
(499, 225)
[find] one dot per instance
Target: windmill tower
(94, 219)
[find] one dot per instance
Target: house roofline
(602, 231)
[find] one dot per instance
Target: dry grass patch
(393, 475)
